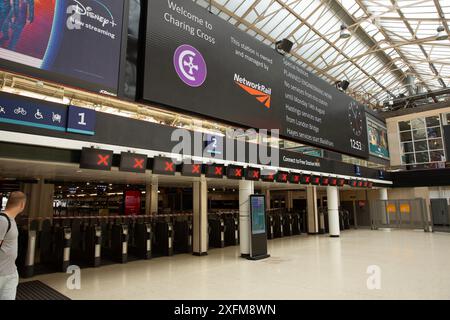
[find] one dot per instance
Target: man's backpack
(9, 226)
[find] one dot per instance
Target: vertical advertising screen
(378, 140)
(74, 42)
(258, 211)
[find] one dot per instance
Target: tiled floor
(413, 264)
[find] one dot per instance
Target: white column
(200, 217)
(333, 211)
(313, 219)
(383, 194)
(246, 188)
(151, 197)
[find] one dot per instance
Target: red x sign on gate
(196, 168)
(138, 163)
(103, 160)
(169, 166)
(218, 171)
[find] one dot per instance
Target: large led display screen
(197, 62)
(378, 140)
(74, 42)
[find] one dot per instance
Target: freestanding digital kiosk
(258, 239)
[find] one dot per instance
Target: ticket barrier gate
(164, 236)
(141, 233)
(321, 213)
(288, 224)
(119, 241)
(182, 236)
(296, 223)
(55, 243)
(231, 230)
(270, 227)
(216, 231)
(278, 226)
(28, 237)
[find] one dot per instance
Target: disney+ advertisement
(75, 42)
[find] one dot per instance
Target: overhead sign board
(218, 71)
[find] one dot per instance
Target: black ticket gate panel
(93, 247)
(142, 240)
(55, 243)
(270, 227)
(216, 232)
(119, 242)
(278, 226)
(287, 225)
(27, 250)
(182, 236)
(231, 231)
(296, 223)
(163, 241)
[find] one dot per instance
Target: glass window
(405, 125)
(418, 123)
(407, 147)
(422, 157)
(419, 134)
(409, 158)
(405, 136)
(433, 121)
(434, 132)
(437, 156)
(435, 144)
(421, 145)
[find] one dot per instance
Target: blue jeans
(8, 286)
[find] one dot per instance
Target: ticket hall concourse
(225, 150)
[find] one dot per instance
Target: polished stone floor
(411, 264)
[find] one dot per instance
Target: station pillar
(267, 194)
(312, 211)
(384, 197)
(200, 217)
(333, 211)
(151, 197)
(246, 189)
(39, 199)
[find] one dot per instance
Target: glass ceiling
(393, 42)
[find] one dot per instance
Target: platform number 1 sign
(81, 120)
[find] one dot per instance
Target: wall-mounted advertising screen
(197, 62)
(378, 140)
(74, 42)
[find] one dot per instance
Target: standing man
(5, 9)
(9, 278)
(22, 11)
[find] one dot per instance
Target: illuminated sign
(341, 182)
(132, 162)
(306, 179)
(295, 177)
(191, 170)
(96, 159)
(215, 171)
(315, 180)
(282, 177)
(325, 181)
(269, 176)
(253, 174)
(235, 172)
(162, 165)
(333, 182)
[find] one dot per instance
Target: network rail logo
(262, 93)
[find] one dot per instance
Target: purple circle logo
(190, 65)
